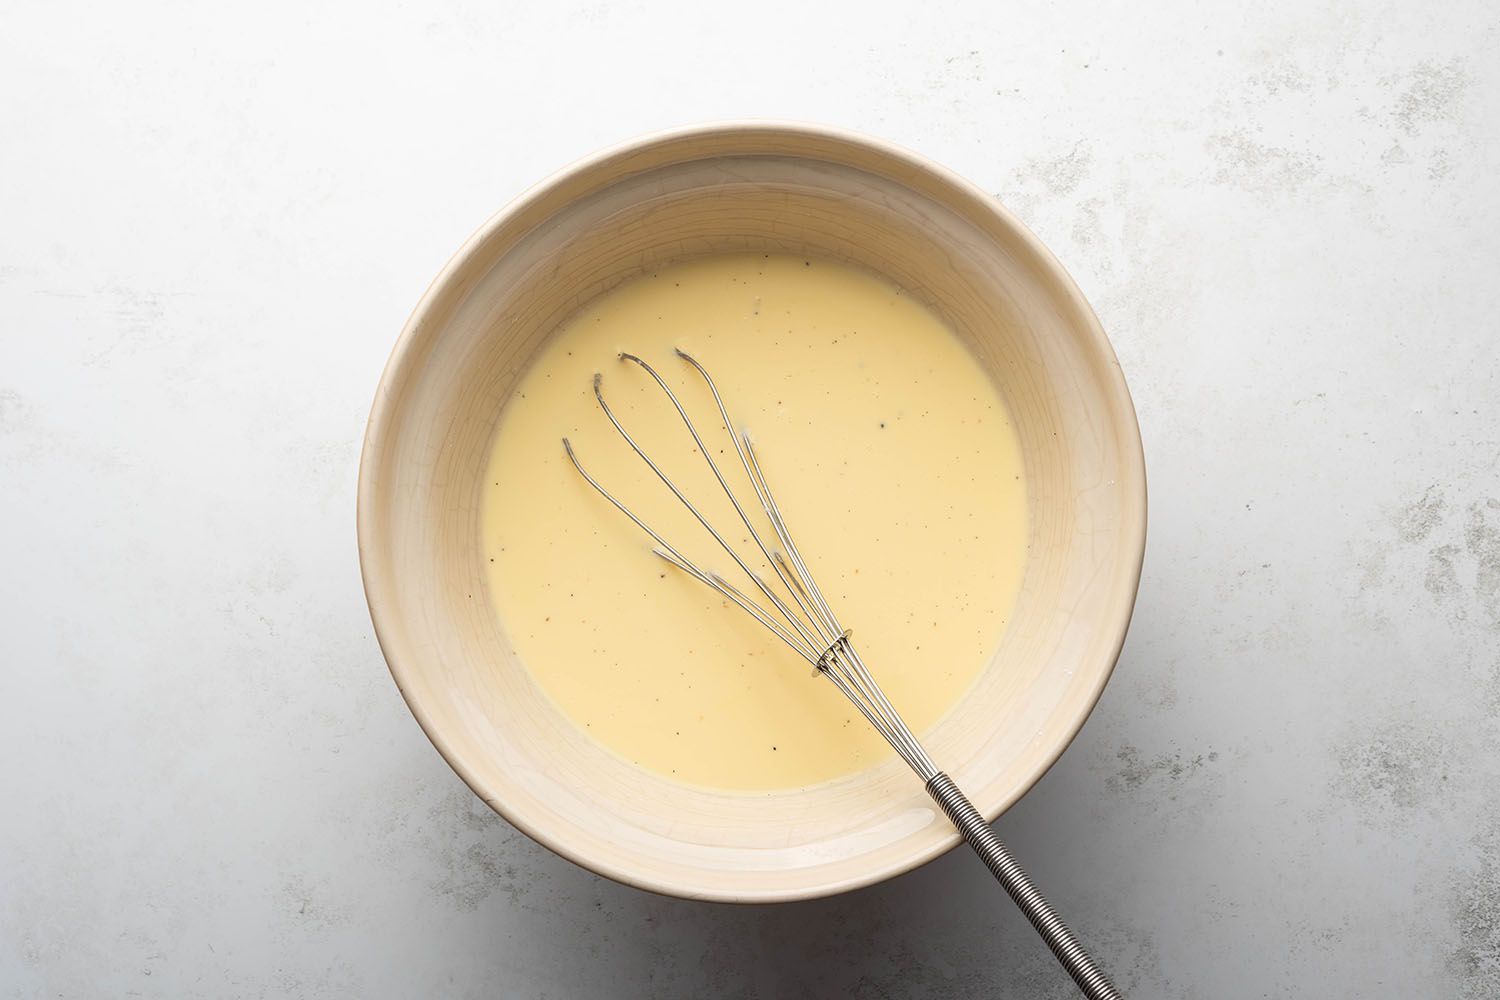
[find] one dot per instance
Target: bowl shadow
(946, 929)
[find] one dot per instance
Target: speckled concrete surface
(214, 223)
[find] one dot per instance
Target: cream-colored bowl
(746, 186)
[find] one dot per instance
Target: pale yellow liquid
(891, 456)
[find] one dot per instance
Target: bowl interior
(765, 188)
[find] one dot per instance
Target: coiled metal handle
(1094, 983)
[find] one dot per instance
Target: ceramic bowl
(763, 187)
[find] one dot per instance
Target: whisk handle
(1013, 878)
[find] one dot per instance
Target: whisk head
(790, 603)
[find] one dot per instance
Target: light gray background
(213, 223)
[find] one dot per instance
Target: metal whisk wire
(803, 619)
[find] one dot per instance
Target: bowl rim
(397, 368)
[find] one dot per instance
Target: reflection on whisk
(800, 617)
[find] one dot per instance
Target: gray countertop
(213, 224)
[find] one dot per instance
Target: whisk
(800, 617)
